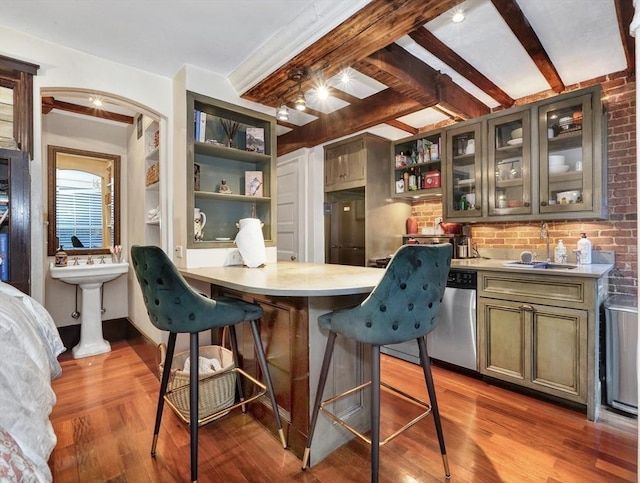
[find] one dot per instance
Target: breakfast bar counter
(293, 295)
(291, 279)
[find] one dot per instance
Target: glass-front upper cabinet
(462, 197)
(567, 143)
(417, 166)
(509, 164)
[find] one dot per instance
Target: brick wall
(619, 233)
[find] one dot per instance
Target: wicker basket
(152, 175)
(217, 391)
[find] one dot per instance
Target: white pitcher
(199, 221)
(250, 242)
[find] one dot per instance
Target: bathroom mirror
(84, 201)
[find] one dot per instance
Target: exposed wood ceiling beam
(515, 19)
(375, 109)
(624, 11)
(417, 80)
(374, 27)
(432, 44)
(402, 126)
(338, 94)
(49, 103)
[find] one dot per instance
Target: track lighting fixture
(300, 102)
(282, 113)
(299, 74)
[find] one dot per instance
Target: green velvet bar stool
(174, 306)
(403, 306)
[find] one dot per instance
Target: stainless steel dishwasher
(454, 338)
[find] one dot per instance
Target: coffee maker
(464, 248)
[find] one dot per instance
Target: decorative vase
(412, 226)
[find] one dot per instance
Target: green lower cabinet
(536, 346)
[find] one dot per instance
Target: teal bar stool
(174, 306)
(403, 306)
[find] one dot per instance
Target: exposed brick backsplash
(619, 233)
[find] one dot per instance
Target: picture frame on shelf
(255, 139)
(253, 183)
(196, 177)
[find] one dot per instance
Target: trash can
(621, 352)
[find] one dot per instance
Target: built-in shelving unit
(152, 183)
(231, 153)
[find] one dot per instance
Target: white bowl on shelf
(556, 159)
(516, 133)
(559, 168)
(567, 196)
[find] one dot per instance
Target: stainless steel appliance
(455, 240)
(346, 232)
(621, 351)
(454, 338)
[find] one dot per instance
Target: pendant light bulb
(282, 113)
(323, 92)
(299, 74)
(300, 102)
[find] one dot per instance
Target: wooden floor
(106, 407)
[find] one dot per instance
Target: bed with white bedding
(29, 348)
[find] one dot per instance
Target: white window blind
(79, 208)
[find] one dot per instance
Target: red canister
(431, 179)
(412, 226)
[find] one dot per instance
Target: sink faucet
(544, 234)
(90, 260)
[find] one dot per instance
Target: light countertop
(299, 279)
(293, 279)
(596, 270)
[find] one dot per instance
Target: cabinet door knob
(526, 308)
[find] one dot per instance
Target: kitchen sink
(541, 265)
(560, 266)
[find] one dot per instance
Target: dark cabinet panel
(15, 229)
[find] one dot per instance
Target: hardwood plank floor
(106, 409)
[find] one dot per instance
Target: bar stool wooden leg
(267, 378)
(375, 412)
(171, 345)
(324, 371)
(428, 377)
(194, 354)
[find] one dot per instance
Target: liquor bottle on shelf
(412, 179)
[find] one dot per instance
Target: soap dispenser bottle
(60, 259)
(584, 247)
(560, 253)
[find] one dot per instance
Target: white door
(288, 203)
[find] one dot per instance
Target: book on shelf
(4, 257)
(196, 125)
(253, 183)
(203, 127)
(255, 139)
(200, 126)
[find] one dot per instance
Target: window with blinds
(79, 209)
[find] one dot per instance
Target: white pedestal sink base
(90, 278)
(91, 340)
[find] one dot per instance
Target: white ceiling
(230, 37)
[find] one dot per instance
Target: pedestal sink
(90, 279)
